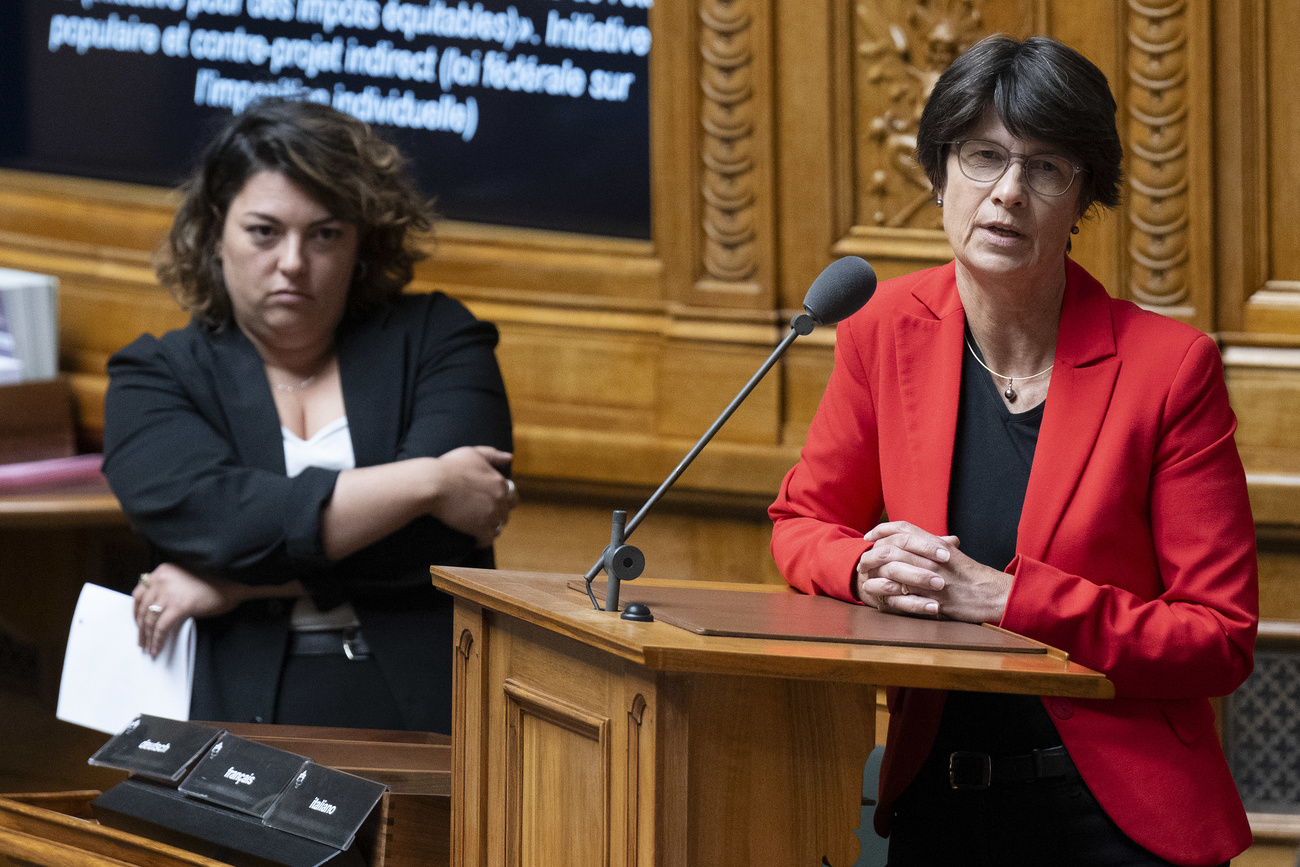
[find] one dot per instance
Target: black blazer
(194, 451)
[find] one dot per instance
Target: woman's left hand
(910, 571)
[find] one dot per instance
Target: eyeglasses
(986, 161)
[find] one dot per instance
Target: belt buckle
(970, 770)
(349, 640)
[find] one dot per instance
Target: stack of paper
(29, 326)
(108, 680)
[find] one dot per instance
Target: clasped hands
(910, 571)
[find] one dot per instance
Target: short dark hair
(338, 160)
(1040, 89)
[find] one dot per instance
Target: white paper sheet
(108, 680)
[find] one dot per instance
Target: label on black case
(156, 747)
(325, 805)
(242, 775)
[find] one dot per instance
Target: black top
(993, 454)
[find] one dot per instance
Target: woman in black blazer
(314, 440)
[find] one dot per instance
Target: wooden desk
(582, 739)
(58, 829)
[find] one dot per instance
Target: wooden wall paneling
(1282, 287)
(674, 143)
(1262, 382)
(681, 539)
(806, 371)
(570, 376)
(98, 213)
(1239, 182)
(810, 98)
(1262, 385)
(699, 378)
(1257, 132)
(1256, 184)
(506, 264)
(1279, 591)
(617, 359)
(1099, 32)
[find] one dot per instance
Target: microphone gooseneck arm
(839, 291)
(799, 325)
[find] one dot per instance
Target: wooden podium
(582, 739)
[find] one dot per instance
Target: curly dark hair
(1040, 89)
(357, 176)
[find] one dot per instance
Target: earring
(1074, 230)
(939, 201)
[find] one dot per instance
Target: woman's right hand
(472, 495)
(169, 595)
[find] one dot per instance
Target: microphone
(839, 291)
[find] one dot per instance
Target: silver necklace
(1010, 393)
(299, 387)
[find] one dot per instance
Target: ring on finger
(143, 580)
(904, 591)
(155, 609)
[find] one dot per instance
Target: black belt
(341, 642)
(972, 770)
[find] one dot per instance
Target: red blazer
(1135, 551)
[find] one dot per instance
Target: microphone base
(638, 611)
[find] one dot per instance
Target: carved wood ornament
(1156, 198)
(727, 149)
(901, 50)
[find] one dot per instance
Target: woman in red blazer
(1050, 460)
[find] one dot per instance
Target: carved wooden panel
(900, 50)
(557, 766)
(468, 818)
(1168, 184)
(735, 150)
(638, 752)
(1157, 179)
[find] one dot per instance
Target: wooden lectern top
(921, 653)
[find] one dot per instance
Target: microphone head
(840, 290)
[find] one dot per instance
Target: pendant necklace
(1010, 393)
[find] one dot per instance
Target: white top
(329, 449)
